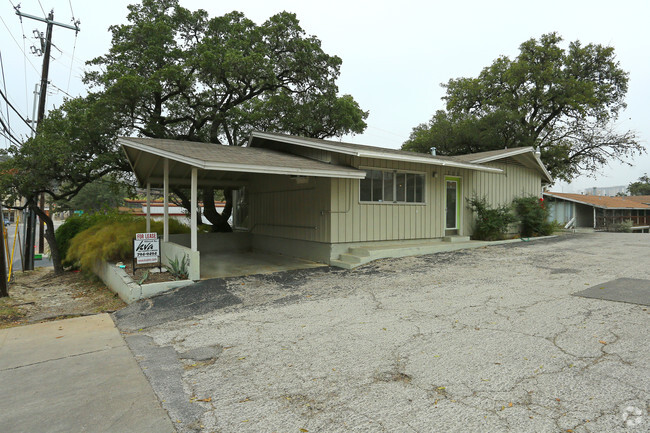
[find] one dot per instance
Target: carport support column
(148, 207)
(166, 201)
(195, 205)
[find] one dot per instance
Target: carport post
(166, 201)
(148, 207)
(194, 201)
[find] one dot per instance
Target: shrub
(78, 223)
(622, 227)
(491, 223)
(112, 240)
(533, 216)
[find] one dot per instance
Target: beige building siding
(328, 210)
(281, 207)
(500, 189)
(352, 221)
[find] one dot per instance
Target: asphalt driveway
(485, 340)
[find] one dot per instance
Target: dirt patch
(40, 295)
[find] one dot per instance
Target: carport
(162, 163)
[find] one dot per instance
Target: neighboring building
(610, 191)
(316, 199)
(139, 207)
(598, 212)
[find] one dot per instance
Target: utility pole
(3, 263)
(29, 239)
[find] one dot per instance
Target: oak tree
(564, 101)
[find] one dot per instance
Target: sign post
(146, 250)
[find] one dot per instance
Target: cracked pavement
(484, 340)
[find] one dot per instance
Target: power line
(7, 133)
(16, 111)
(4, 83)
(19, 47)
(43, 10)
(74, 48)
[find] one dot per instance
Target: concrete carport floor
(249, 263)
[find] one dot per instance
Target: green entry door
(452, 203)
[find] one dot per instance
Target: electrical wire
(19, 47)
(16, 111)
(43, 10)
(4, 83)
(74, 48)
(60, 90)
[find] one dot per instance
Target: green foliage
(181, 74)
(533, 215)
(622, 227)
(491, 223)
(111, 239)
(563, 100)
(106, 193)
(640, 187)
(179, 268)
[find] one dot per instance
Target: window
(391, 187)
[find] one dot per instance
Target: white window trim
(395, 202)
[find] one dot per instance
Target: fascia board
(428, 161)
(162, 153)
(513, 152)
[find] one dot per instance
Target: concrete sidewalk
(74, 375)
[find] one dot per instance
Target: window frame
(395, 187)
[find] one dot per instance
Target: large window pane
(365, 188)
(377, 187)
(400, 187)
(419, 188)
(388, 185)
(410, 188)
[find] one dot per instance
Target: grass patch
(111, 240)
(10, 314)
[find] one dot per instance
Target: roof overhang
(368, 153)
(525, 155)
(147, 161)
(599, 206)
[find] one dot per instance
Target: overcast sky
(395, 54)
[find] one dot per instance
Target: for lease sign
(146, 248)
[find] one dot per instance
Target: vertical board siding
(278, 206)
(364, 222)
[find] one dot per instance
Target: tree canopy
(565, 101)
(640, 187)
(75, 145)
(179, 74)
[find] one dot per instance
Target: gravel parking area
(484, 340)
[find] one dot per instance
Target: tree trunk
(51, 240)
(219, 220)
(187, 204)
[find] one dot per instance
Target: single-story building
(596, 211)
(319, 199)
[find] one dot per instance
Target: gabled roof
(524, 155)
(645, 199)
(257, 139)
(599, 201)
(227, 163)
